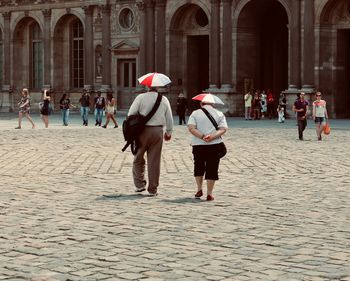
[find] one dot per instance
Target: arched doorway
(262, 47)
(69, 54)
(28, 54)
(334, 57)
(189, 51)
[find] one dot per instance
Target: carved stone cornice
(6, 15)
(47, 13)
(140, 5)
(106, 9)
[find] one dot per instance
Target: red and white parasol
(154, 80)
(208, 98)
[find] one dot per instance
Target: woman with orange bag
(319, 114)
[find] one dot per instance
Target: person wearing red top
(270, 104)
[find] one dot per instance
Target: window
(1, 58)
(36, 57)
(77, 54)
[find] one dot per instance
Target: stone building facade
(227, 47)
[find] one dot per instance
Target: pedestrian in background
(24, 109)
(256, 105)
(248, 106)
(46, 108)
(110, 110)
(151, 139)
(207, 146)
(301, 107)
(319, 114)
(283, 103)
(65, 106)
(270, 104)
(100, 104)
(181, 104)
(85, 107)
(263, 102)
(280, 113)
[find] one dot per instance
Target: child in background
(280, 111)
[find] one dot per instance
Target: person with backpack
(100, 104)
(150, 140)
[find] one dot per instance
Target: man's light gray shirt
(144, 103)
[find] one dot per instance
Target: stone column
(88, 48)
(160, 43)
(7, 95)
(215, 45)
(226, 64)
(106, 47)
(309, 46)
(150, 52)
(294, 47)
(143, 39)
(7, 51)
(47, 48)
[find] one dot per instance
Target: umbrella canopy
(208, 98)
(154, 80)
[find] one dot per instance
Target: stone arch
(28, 65)
(62, 14)
(188, 47)
(34, 16)
(62, 52)
(261, 45)
(240, 6)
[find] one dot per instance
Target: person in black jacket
(181, 108)
(85, 107)
(100, 105)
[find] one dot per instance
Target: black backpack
(133, 126)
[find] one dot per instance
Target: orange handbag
(327, 129)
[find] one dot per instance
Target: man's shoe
(152, 194)
(199, 194)
(116, 126)
(210, 197)
(18, 127)
(104, 126)
(96, 123)
(140, 189)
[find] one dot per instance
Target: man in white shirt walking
(248, 105)
(151, 139)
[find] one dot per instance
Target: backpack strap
(154, 109)
(211, 118)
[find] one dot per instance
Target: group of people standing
(259, 106)
(102, 106)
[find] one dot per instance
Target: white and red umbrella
(154, 79)
(208, 98)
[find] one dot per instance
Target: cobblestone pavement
(68, 210)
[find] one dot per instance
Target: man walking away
(300, 107)
(151, 139)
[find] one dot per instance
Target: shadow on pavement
(122, 197)
(184, 200)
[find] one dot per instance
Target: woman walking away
(207, 146)
(45, 110)
(319, 114)
(110, 109)
(24, 109)
(65, 105)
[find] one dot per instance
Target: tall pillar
(160, 44)
(215, 45)
(7, 102)
(143, 39)
(106, 45)
(294, 47)
(226, 64)
(150, 66)
(7, 50)
(88, 48)
(309, 46)
(47, 48)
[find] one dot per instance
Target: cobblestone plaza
(68, 210)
